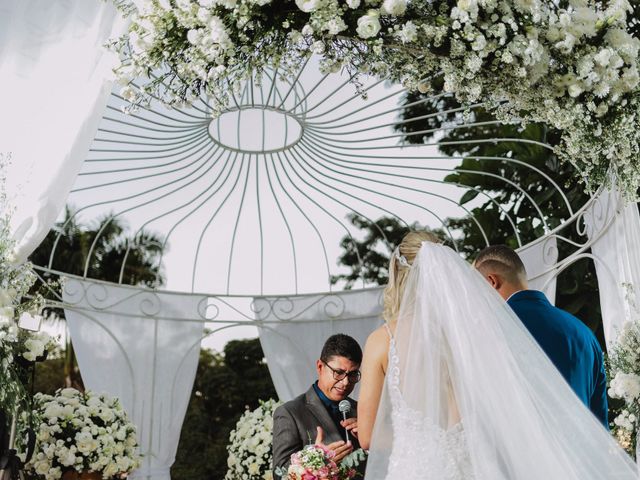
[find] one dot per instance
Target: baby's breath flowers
(572, 66)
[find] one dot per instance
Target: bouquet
(315, 462)
(82, 432)
(250, 447)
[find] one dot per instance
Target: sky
(255, 201)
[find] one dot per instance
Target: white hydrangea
(250, 444)
(104, 440)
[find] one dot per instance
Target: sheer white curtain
(614, 228)
(142, 347)
(539, 258)
(293, 330)
(54, 74)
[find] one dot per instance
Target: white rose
(34, 346)
(42, 467)
(110, 470)
(368, 26)
(8, 312)
(467, 5)
(295, 36)
(69, 392)
(106, 414)
(308, 6)
(85, 442)
(394, 7)
(353, 4)
(193, 36)
(574, 90)
(67, 459)
(5, 297)
(203, 15)
(29, 356)
(318, 47)
(218, 32)
(603, 56)
(307, 30)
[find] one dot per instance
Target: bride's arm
(374, 362)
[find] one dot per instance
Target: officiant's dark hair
(502, 260)
(341, 345)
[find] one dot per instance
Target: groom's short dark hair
(341, 345)
(502, 260)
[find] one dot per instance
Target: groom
(314, 415)
(569, 343)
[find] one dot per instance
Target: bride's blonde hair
(399, 264)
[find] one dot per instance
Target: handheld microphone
(345, 407)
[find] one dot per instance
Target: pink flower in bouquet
(315, 462)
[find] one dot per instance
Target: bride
(455, 388)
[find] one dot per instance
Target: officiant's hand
(340, 448)
(351, 425)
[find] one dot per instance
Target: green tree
(577, 289)
(75, 251)
(226, 385)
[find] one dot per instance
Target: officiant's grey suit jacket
(295, 425)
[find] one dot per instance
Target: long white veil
(461, 354)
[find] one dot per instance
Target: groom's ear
(494, 280)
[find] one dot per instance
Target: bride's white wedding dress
(468, 393)
(438, 453)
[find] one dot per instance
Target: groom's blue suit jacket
(570, 345)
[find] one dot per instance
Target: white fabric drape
(142, 347)
(539, 259)
(54, 75)
(293, 330)
(614, 228)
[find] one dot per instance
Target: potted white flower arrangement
(83, 435)
(250, 448)
(624, 379)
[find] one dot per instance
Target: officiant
(318, 414)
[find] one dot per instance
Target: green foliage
(72, 250)
(50, 374)
(373, 250)
(484, 165)
(225, 386)
(74, 245)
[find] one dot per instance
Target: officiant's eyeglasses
(339, 375)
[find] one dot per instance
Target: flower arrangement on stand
(571, 65)
(83, 434)
(250, 444)
(624, 378)
(19, 348)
